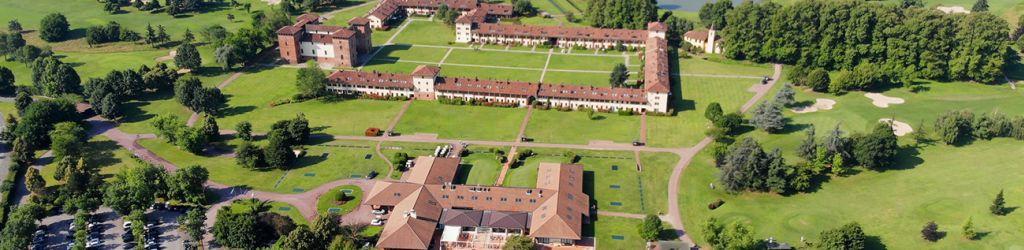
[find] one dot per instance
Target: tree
(650, 228)
(930, 232)
(112, 7)
(249, 156)
(226, 56)
(236, 230)
(745, 167)
(818, 80)
(6, 82)
(134, 188)
(210, 129)
(191, 94)
(730, 123)
(22, 100)
(849, 236)
(522, 7)
(53, 27)
(191, 140)
(980, 6)
(713, 13)
(712, 231)
(188, 184)
(14, 26)
(618, 76)
(311, 81)
(54, 77)
(785, 96)
(676, 28)
(188, 37)
(28, 53)
(20, 225)
(968, 230)
(877, 149)
(301, 238)
(954, 127)
(193, 223)
(768, 117)
(912, 4)
(998, 206)
(67, 140)
(628, 14)
(35, 182)
(23, 154)
(187, 57)
(808, 148)
(714, 112)
(399, 159)
(39, 119)
(519, 242)
(278, 151)
(244, 130)
(738, 236)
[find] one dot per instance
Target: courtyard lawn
(583, 62)
(497, 58)
(327, 203)
(406, 52)
(391, 66)
(422, 32)
(479, 167)
(461, 122)
(138, 113)
(576, 127)
(688, 125)
(577, 78)
(615, 232)
(718, 65)
(246, 205)
(610, 178)
(490, 73)
(251, 95)
(104, 155)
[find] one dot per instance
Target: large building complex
(427, 205)
(344, 47)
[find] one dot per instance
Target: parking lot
(108, 226)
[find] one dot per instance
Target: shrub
(715, 204)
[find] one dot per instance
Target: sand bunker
(168, 57)
(899, 128)
(819, 104)
(882, 101)
(956, 9)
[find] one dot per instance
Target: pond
(689, 5)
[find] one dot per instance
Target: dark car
(371, 175)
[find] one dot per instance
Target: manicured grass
(7, 108)
(246, 205)
(104, 155)
(251, 95)
(688, 125)
(581, 62)
(406, 52)
(576, 127)
(717, 65)
(636, 192)
(605, 227)
(577, 78)
(341, 17)
(490, 73)
(391, 66)
(326, 203)
(138, 113)
(426, 32)
(497, 58)
(462, 122)
(479, 167)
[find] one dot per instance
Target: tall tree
(22, 100)
(14, 26)
(311, 81)
(877, 149)
(193, 223)
(278, 151)
(712, 14)
(244, 130)
(849, 236)
(35, 182)
(998, 206)
(20, 224)
(53, 27)
(188, 184)
(628, 14)
(6, 82)
(768, 117)
(980, 6)
(650, 228)
(187, 57)
(618, 76)
(134, 188)
(210, 129)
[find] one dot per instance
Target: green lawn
(934, 183)
(426, 33)
(103, 153)
(610, 178)
(341, 17)
(138, 113)
(479, 168)
(391, 66)
(688, 125)
(246, 205)
(615, 233)
(717, 65)
(577, 127)
(396, 52)
(461, 122)
(251, 95)
(582, 62)
(497, 58)
(7, 108)
(327, 203)
(577, 78)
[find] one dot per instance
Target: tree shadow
(462, 175)
(385, 56)
(874, 243)
(74, 34)
(598, 118)
(308, 160)
(906, 158)
(588, 186)
(319, 138)
(792, 128)
(235, 110)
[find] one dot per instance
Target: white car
(379, 211)
(127, 225)
(93, 243)
(377, 222)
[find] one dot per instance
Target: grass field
(323, 163)
(103, 153)
(393, 53)
(577, 78)
(326, 203)
(610, 178)
(491, 73)
(718, 65)
(688, 125)
(246, 205)
(581, 62)
(461, 122)
(615, 233)
(578, 128)
(425, 33)
(138, 113)
(497, 58)
(251, 95)
(479, 167)
(932, 183)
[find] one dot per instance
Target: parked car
(379, 211)
(377, 222)
(127, 225)
(371, 175)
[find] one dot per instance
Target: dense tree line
(21, 223)
(108, 94)
(284, 135)
(191, 93)
(112, 32)
(958, 127)
(677, 26)
(902, 43)
(137, 187)
(712, 14)
(622, 14)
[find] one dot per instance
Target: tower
(710, 46)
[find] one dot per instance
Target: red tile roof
(426, 70)
(575, 33)
(372, 79)
(656, 71)
(657, 26)
(591, 93)
(358, 21)
(485, 86)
